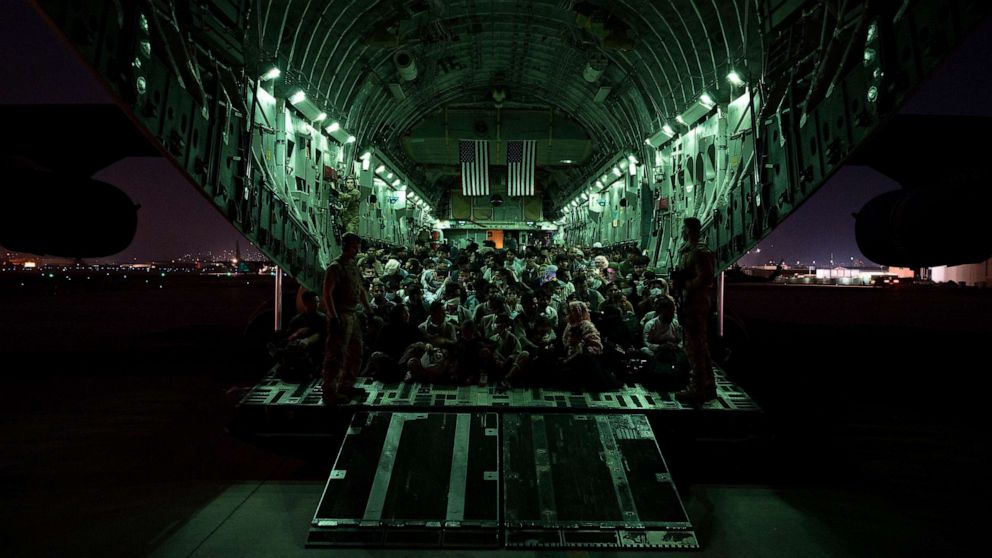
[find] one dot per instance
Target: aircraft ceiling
(655, 58)
(639, 121)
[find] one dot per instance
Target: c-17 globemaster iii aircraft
(632, 115)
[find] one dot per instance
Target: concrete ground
(876, 441)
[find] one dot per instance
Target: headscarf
(580, 335)
(578, 312)
(392, 266)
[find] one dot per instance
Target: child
(508, 353)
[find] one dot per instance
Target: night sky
(174, 219)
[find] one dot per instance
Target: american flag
(520, 159)
(474, 156)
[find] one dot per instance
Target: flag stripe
(521, 167)
(474, 157)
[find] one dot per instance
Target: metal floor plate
(435, 479)
(413, 479)
(589, 481)
(631, 398)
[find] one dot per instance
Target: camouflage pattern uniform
(349, 200)
(697, 263)
(343, 351)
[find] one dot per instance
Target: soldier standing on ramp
(343, 291)
(695, 275)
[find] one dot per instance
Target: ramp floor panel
(596, 481)
(274, 391)
(413, 479)
(480, 480)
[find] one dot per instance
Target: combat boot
(698, 393)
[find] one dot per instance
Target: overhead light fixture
(390, 176)
(666, 133)
(700, 108)
(632, 169)
(366, 155)
(379, 169)
(298, 97)
(599, 184)
(334, 127)
(566, 161)
(351, 139)
(595, 67)
(632, 159)
(616, 171)
(321, 117)
(397, 182)
(271, 73)
(366, 160)
(735, 79)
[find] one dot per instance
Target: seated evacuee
(583, 349)
(662, 334)
(508, 353)
(436, 329)
(392, 340)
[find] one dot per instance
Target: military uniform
(697, 263)
(350, 200)
(343, 352)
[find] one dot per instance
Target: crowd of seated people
(533, 316)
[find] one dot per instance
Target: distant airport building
(973, 275)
